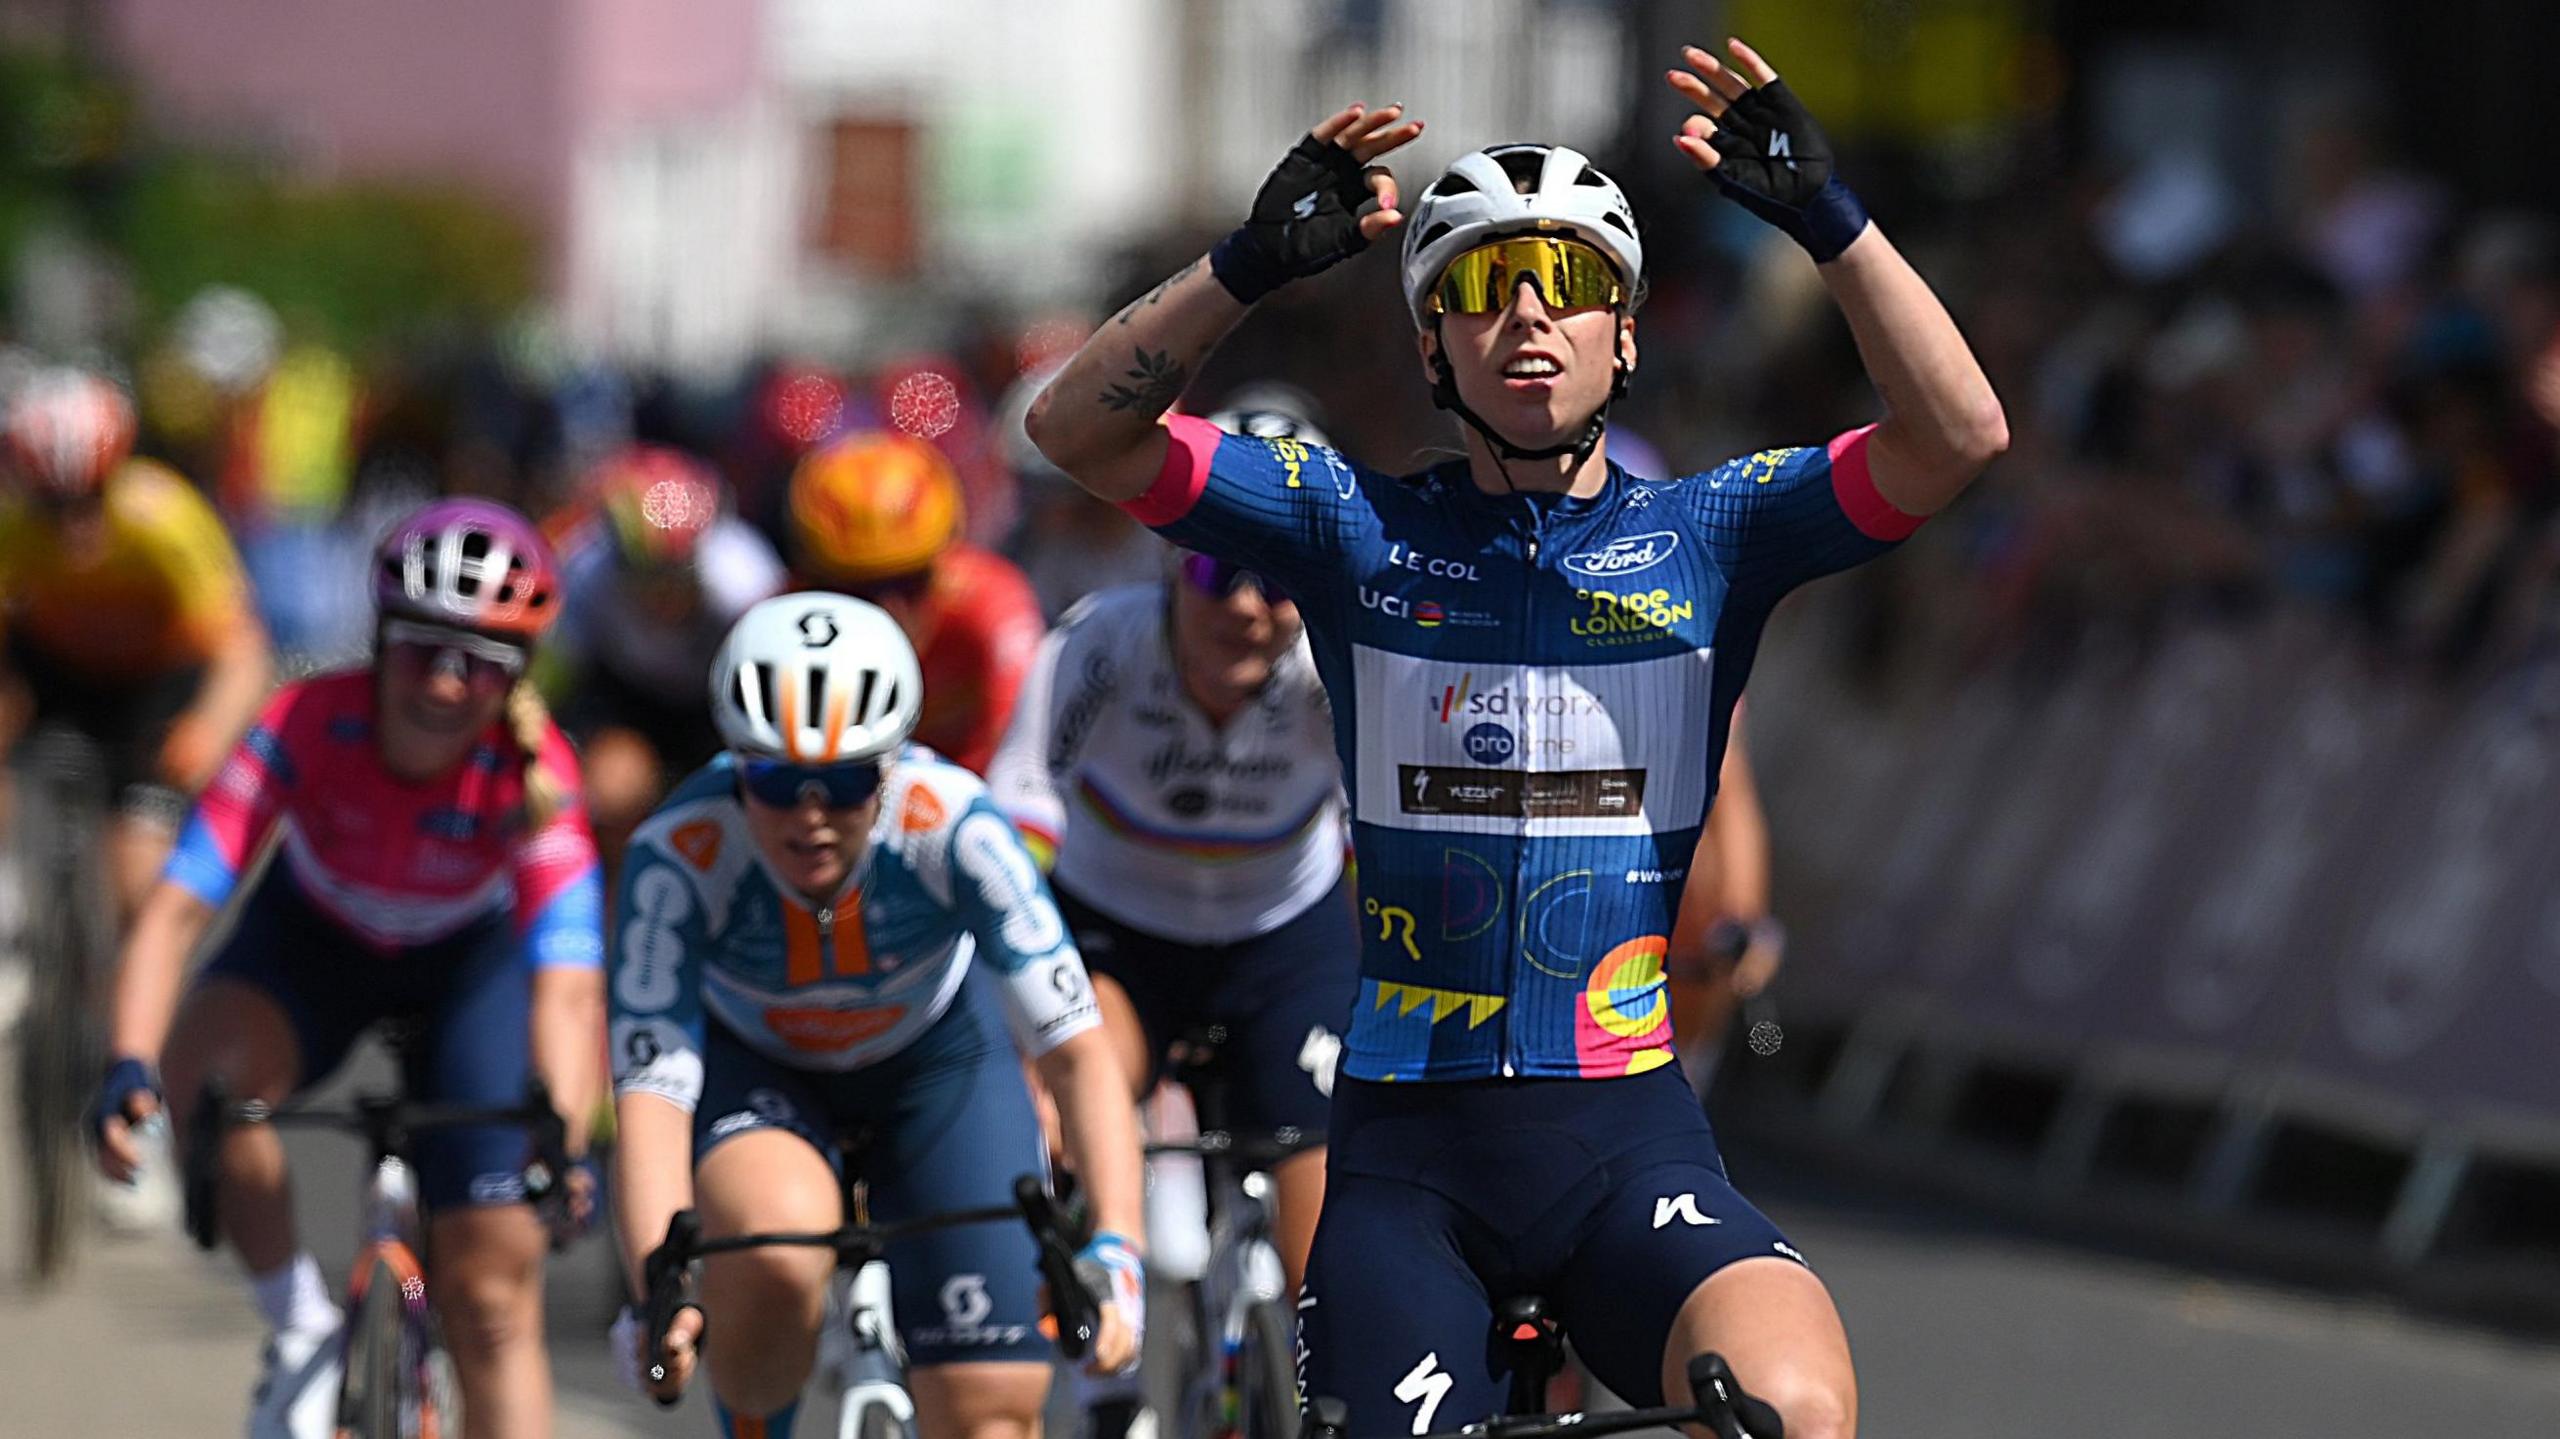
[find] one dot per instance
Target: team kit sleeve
(559, 879)
(1282, 507)
(1019, 779)
(1048, 998)
(239, 810)
(1785, 517)
(655, 999)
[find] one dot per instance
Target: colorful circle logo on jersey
(1625, 1023)
(1490, 743)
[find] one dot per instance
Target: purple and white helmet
(474, 564)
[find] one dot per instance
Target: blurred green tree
(350, 263)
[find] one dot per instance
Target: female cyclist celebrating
(796, 936)
(436, 869)
(1532, 657)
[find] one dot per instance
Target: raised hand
(1765, 150)
(1324, 203)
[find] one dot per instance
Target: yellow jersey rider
(128, 616)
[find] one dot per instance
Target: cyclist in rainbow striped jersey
(1172, 761)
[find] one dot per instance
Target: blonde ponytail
(529, 720)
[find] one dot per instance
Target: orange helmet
(872, 506)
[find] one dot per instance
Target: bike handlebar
(1073, 1299)
(1251, 1149)
(387, 1123)
(1075, 1294)
(1722, 1408)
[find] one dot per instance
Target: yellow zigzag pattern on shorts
(1444, 1002)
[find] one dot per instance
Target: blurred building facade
(713, 180)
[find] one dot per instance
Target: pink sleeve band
(1855, 488)
(1192, 441)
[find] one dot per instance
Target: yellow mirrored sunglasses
(1570, 276)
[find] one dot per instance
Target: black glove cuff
(1833, 219)
(1243, 268)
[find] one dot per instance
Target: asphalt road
(1961, 1332)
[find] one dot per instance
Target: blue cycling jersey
(1530, 696)
(702, 927)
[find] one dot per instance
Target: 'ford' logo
(1625, 556)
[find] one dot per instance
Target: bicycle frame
(1243, 1271)
(1229, 1285)
(393, 1246)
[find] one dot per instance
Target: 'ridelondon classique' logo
(1625, 555)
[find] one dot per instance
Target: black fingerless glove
(1774, 161)
(1306, 219)
(127, 1080)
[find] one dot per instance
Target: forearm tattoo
(1150, 298)
(1155, 382)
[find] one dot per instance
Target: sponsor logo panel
(1521, 794)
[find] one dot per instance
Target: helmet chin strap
(1444, 394)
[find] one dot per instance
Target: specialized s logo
(1625, 556)
(1426, 1386)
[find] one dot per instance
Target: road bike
(397, 1382)
(1239, 1358)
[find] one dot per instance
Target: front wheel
(1266, 1373)
(67, 938)
(389, 1386)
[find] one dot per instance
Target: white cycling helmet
(1268, 410)
(1481, 197)
(816, 679)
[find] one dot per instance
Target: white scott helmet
(816, 679)
(1516, 190)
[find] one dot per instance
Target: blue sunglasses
(785, 785)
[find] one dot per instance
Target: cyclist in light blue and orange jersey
(829, 933)
(432, 868)
(1531, 658)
